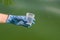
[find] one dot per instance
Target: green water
(47, 25)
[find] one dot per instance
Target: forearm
(3, 18)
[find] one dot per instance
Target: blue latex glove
(19, 20)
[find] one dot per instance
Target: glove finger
(34, 19)
(33, 22)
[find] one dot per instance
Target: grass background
(47, 25)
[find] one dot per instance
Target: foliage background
(47, 25)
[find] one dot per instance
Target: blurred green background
(47, 25)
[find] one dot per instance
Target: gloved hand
(25, 21)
